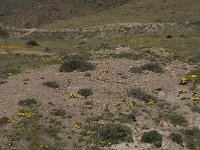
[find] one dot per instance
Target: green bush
(140, 95)
(2, 32)
(177, 119)
(77, 63)
(27, 102)
(177, 138)
(196, 109)
(114, 133)
(85, 92)
(150, 67)
(59, 112)
(127, 55)
(2, 82)
(192, 138)
(32, 43)
(52, 84)
(152, 137)
(3, 121)
(127, 118)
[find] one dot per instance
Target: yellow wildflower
(194, 93)
(44, 146)
(184, 81)
(181, 92)
(195, 99)
(151, 102)
(78, 125)
(74, 95)
(131, 104)
(105, 71)
(10, 74)
(98, 78)
(194, 77)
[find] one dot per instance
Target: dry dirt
(109, 91)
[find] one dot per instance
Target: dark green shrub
(127, 118)
(32, 43)
(150, 67)
(52, 84)
(114, 133)
(192, 138)
(77, 63)
(3, 82)
(27, 102)
(59, 112)
(153, 67)
(196, 109)
(2, 32)
(85, 92)
(127, 55)
(4, 121)
(105, 45)
(140, 95)
(177, 138)
(152, 137)
(136, 70)
(177, 119)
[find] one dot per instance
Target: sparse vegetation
(152, 137)
(77, 117)
(59, 112)
(52, 84)
(110, 133)
(77, 63)
(195, 72)
(28, 102)
(141, 95)
(3, 121)
(196, 108)
(150, 67)
(3, 82)
(32, 43)
(192, 138)
(127, 118)
(127, 55)
(176, 137)
(177, 119)
(85, 92)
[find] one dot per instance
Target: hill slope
(36, 12)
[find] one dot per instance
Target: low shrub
(140, 95)
(85, 92)
(32, 43)
(127, 55)
(192, 138)
(156, 68)
(114, 133)
(177, 119)
(51, 84)
(152, 137)
(196, 109)
(58, 112)
(4, 121)
(177, 138)
(27, 102)
(77, 63)
(127, 118)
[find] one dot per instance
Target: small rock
(160, 94)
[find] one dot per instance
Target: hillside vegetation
(100, 75)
